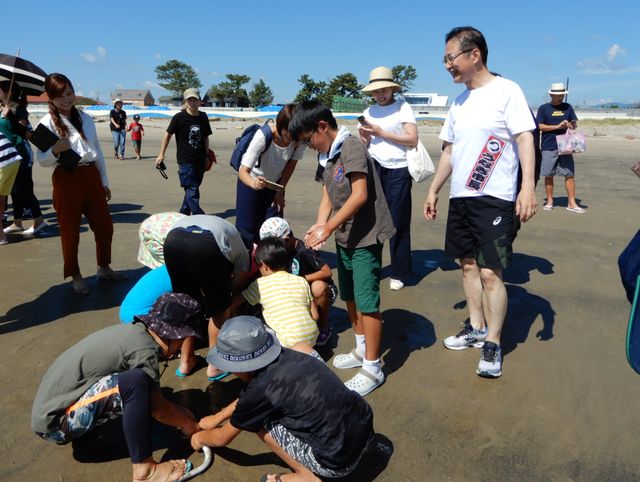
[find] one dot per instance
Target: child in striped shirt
(285, 298)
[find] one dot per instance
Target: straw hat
(557, 88)
(379, 78)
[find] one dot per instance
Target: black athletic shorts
(198, 268)
(483, 228)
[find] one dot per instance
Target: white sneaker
(348, 360)
(364, 382)
(395, 284)
(467, 338)
(490, 365)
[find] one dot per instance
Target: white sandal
(364, 382)
(348, 360)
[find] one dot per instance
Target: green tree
(176, 76)
(344, 85)
(231, 91)
(404, 75)
(261, 95)
(310, 88)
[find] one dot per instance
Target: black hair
(273, 253)
(284, 117)
(307, 116)
(470, 38)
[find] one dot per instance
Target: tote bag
(573, 142)
(419, 162)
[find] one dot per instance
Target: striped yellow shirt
(286, 306)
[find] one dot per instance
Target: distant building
(133, 97)
(171, 101)
(421, 102)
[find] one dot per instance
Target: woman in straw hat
(389, 129)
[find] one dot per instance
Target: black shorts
(198, 268)
(482, 228)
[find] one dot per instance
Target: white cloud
(157, 56)
(151, 85)
(614, 51)
(607, 64)
(101, 53)
(119, 86)
(215, 74)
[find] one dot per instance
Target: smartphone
(363, 121)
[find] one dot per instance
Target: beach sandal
(109, 274)
(187, 468)
(548, 207)
(364, 382)
(265, 477)
(219, 377)
(80, 287)
(348, 360)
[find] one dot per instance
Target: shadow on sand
(523, 307)
(60, 301)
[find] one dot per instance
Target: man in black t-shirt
(192, 131)
(292, 401)
(118, 125)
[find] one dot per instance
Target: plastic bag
(419, 162)
(573, 142)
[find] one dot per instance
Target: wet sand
(563, 410)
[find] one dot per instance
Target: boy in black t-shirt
(192, 131)
(292, 401)
(309, 264)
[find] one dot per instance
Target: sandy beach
(562, 411)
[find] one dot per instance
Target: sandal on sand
(348, 360)
(80, 287)
(265, 477)
(109, 274)
(364, 382)
(188, 467)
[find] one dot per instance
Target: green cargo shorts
(359, 276)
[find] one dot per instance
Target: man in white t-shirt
(486, 136)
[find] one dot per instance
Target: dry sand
(563, 409)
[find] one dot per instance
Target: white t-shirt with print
(273, 160)
(482, 125)
(390, 118)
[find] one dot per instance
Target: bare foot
(187, 364)
(105, 272)
(290, 477)
(79, 285)
(165, 471)
(213, 372)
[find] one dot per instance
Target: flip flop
(219, 376)
(179, 374)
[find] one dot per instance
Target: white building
(422, 102)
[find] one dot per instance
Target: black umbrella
(26, 74)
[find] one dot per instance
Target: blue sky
(106, 46)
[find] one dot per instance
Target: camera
(162, 166)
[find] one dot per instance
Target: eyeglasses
(309, 140)
(448, 59)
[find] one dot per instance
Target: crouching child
(295, 404)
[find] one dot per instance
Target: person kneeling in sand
(115, 372)
(293, 402)
(286, 299)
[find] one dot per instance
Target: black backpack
(242, 143)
